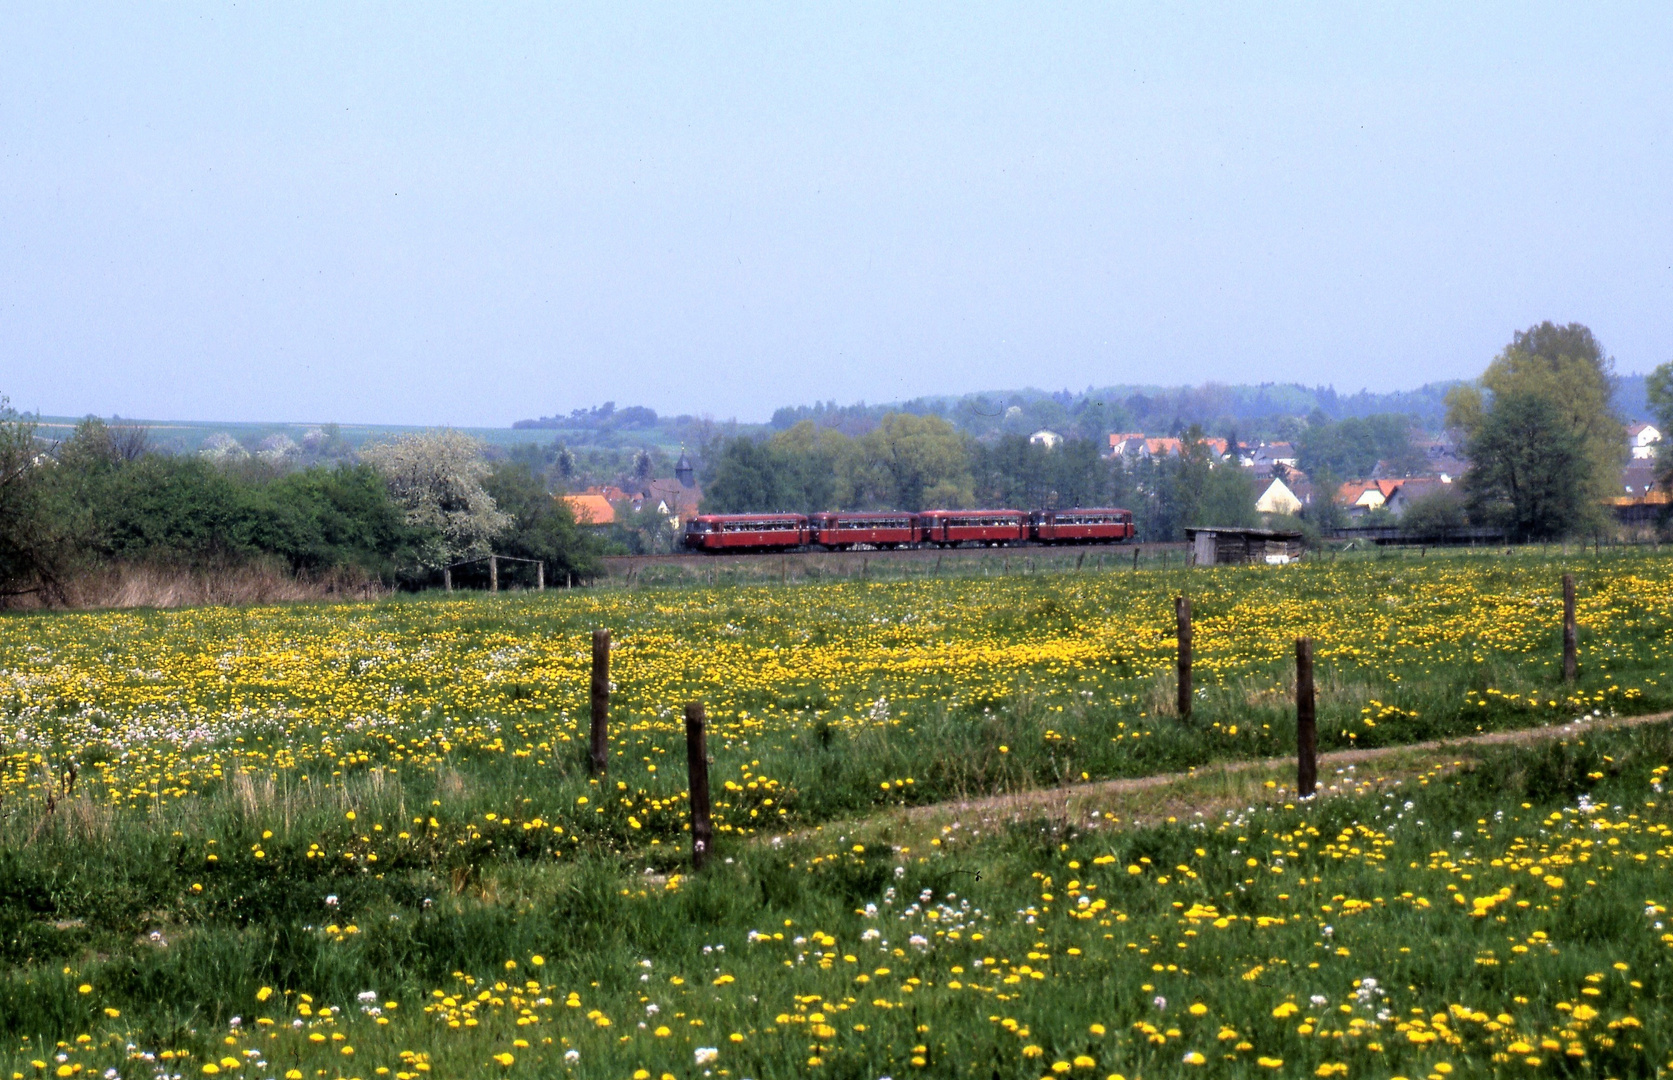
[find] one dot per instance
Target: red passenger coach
(1078, 526)
(945, 528)
(746, 532)
(841, 531)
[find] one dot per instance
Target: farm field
(382, 810)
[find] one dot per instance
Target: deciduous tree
(914, 463)
(1555, 382)
(26, 550)
(436, 478)
(1529, 468)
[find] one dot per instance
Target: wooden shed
(1223, 547)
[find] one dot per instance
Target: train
(717, 534)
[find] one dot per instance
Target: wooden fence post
(493, 574)
(540, 576)
(1306, 725)
(1135, 558)
(447, 577)
(598, 759)
(697, 769)
(1182, 616)
(1571, 633)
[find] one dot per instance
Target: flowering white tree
(436, 477)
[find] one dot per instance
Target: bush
(542, 526)
(1440, 512)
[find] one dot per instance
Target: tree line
(1544, 443)
(1540, 433)
(399, 514)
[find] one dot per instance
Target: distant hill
(1244, 410)
(190, 436)
(1252, 411)
(1630, 398)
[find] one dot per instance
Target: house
(1045, 438)
(1642, 439)
(590, 508)
(672, 498)
(1300, 485)
(1360, 497)
(1278, 453)
(1643, 501)
(609, 493)
(1278, 499)
(1134, 446)
(1638, 478)
(1442, 457)
(675, 499)
(1411, 490)
(1126, 443)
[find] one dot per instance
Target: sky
(471, 214)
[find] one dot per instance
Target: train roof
(749, 517)
(864, 515)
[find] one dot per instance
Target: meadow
(360, 840)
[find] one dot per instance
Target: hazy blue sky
(408, 214)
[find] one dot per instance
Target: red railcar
(746, 532)
(1102, 525)
(842, 531)
(945, 528)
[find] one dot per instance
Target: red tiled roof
(591, 508)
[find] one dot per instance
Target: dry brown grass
(137, 586)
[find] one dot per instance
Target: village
(1282, 489)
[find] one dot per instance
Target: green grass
(220, 754)
(596, 920)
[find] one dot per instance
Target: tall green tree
(1193, 489)
(1565, 369)
(748, 478)
(1529, 468)
(1011, 471)
(1353, 447)
(914, 463)
(815, 464)
(1325, 512)
(1014, 472)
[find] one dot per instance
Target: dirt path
(1079, 799)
